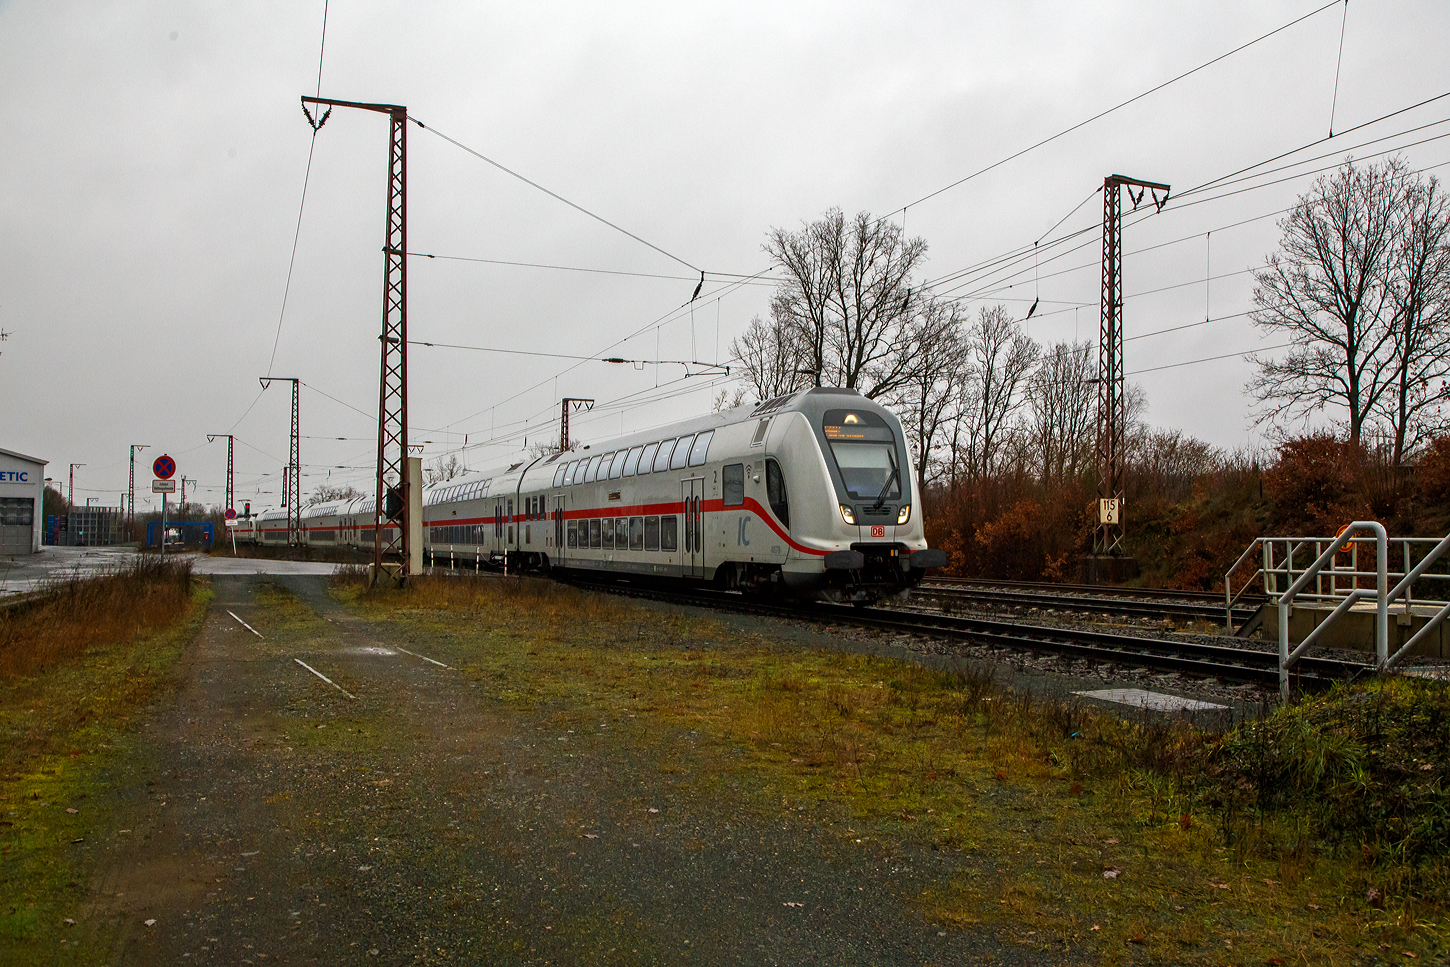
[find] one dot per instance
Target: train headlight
(903, 515)
(847, 514)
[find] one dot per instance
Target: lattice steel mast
(292, 476)
(131, 493)
(1112, 401)
(231, 491)
(393, 502)
(564, 418)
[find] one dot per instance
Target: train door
(559, 528)
(692, 556)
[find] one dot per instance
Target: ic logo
(878, 531)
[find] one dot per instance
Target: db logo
(878, 532)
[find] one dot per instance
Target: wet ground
(21, 575)
(401, 813)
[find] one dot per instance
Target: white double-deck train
(811, 494)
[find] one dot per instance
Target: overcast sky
(152, 158)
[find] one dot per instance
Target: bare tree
(771, 357)
(1419, 288)
(999, 358)
(936, 346)
(847, 299)
(443, 469)
(726, 400)
(329, 492)
(1060, 403)
(1326, 290)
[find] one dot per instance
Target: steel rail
(1078, 602)
(1086, 590)
(1210, 661)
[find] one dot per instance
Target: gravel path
(275, 819)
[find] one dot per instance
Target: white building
(22, 503)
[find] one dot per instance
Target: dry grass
(77, 670)
(71, 616)
(1042, 797)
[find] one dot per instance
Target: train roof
(810, 401)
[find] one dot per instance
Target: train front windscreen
(864, 449)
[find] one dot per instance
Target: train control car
(810, 494)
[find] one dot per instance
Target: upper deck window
(647, 459)
(701, 448)
(662, 459)
(632, 463)
(682, 453)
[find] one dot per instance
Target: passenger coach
(811, 494)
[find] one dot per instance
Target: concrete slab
(1157, 701)
(258, 565)
(1440, 673)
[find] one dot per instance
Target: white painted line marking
(1157, 701)
(245, 625)
(424, 657)
(324, 678)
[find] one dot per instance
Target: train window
(559, 475)
(682, 453)
(568, 473)
(701, 448)
(647, 459)
(636, 533)
(669, 532)
(510, 514)
(621, 532)
(594, 533)
(732, 480)
(573, 534)
(775, 491)
(593, 473)
(651, 533)
(761, 429)
(534, 508)
(607, 529)
(662, 458)
(616, 469)
(632, 463)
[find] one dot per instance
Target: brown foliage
(1013, 542)
(1316, 485)
(72, 616)
(1432, 476)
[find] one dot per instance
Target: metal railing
(1338, 577)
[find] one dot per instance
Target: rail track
(1255, 666)
(1245, 620)
(1086, 590)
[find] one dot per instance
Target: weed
(71, 615)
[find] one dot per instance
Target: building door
(17, 525)
(691, 544)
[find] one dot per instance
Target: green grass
(1045, 797)
(65, 733)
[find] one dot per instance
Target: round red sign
(164, 467)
